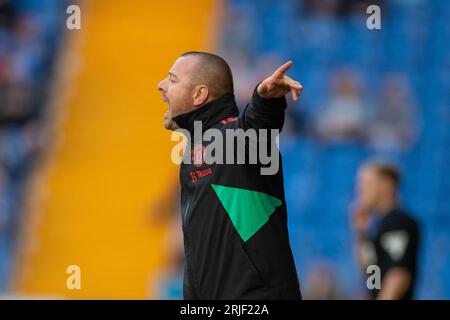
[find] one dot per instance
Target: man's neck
(209, 114)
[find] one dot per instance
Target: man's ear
(200, 95)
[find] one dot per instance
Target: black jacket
(234, 219)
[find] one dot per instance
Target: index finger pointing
(282, 70)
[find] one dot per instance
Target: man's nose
(161, 86)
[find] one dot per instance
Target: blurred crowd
(350, 107)
(368, 94)
(28, 45)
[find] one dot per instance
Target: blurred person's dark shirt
(394, 124)
(396, 244)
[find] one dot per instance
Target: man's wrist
(270, 102)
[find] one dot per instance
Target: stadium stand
(393, 85)
(109, 156)
(29, 39)
(401, 76)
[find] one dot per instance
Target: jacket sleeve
(263, 113)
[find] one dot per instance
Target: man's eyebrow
(173, 75)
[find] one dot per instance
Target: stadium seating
(111, 111)
(319, 179)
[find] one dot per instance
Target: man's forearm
(395, 284)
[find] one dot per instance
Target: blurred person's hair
(386, 171)
(213, 71)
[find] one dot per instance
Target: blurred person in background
(345, 116)
(387, 236)
(321, 283)
(394, 124)
(319, 8)
(21, 60)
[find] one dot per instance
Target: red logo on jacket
(197, 155)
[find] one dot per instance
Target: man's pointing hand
(278, 84)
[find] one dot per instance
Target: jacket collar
(209, 114)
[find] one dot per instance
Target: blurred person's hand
(278, 84)
(360, 217)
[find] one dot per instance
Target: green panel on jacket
(248, 210)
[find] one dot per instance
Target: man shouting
(234, 217)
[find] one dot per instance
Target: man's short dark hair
(212, 71)
(387, 171)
